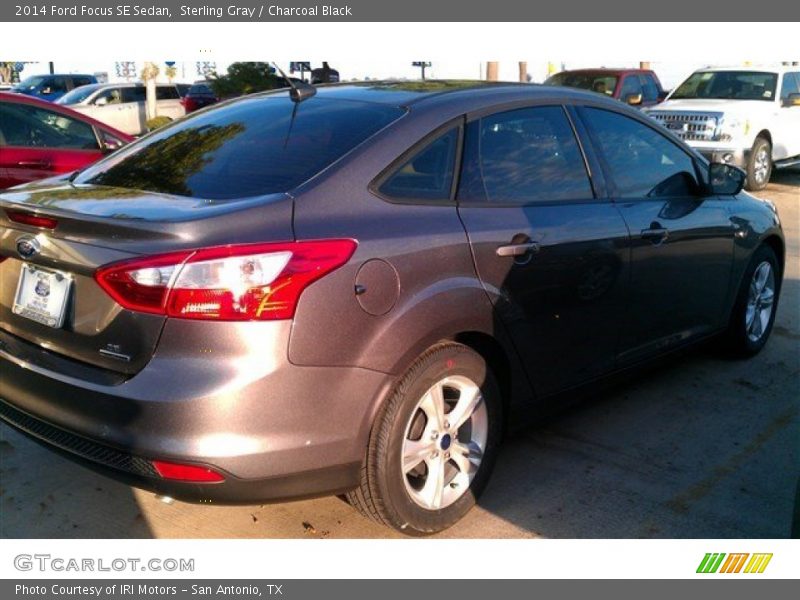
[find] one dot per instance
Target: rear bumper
(274, 430)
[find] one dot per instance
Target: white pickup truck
(749, 117)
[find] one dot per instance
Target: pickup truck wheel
(433, 444)
(759, 165)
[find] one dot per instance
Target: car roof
(60, 75)
(14, 98)
(756, 68)
(129, 84)
(406, 94)
(609, 70)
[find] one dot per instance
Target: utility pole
(523, 72)
(52, 67)
(422, 64)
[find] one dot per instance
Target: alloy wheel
(761, 165)
(760, 301)
(444, 442)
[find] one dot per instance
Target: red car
(40, 139)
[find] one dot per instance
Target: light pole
(422, 65)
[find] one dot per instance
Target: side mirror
(726, 180)
(101, 101)
(633, 99)
(792, 100)
(110, 143)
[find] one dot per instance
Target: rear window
(600, 82)
(200, 88)
(253, 147)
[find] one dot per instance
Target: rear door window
(524, 156)
(255, 146)
(53, 85)
(134, 94)
(428, 174)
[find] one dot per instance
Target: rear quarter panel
(437, 292)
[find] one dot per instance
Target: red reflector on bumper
(31, 219)
(179, 472)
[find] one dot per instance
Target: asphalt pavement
(699, 447)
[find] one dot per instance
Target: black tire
(736, 339)
(753, 182)
(383, 495)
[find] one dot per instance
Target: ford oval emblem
(28, 247)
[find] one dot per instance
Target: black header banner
(409, 11)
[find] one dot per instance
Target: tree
(245, 78)
(6, 70)
(149, 74)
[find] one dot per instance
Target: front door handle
(655, 234)
(518, 249)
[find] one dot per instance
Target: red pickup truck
(637, 87)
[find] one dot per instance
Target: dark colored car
(40, 139)
(637, 87)
(361, 292)
(198, 96)
(52, 87)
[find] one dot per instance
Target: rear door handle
(655, 235)
(518, 249)
(36, 164)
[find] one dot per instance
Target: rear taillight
(188, 103)
(258, 282)
(25, 218)
(180, 472)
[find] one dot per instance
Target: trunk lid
(98, 225)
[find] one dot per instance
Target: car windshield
(252, 147)
(602, 83)
(77, 95)
(29, 83)
(728, 85)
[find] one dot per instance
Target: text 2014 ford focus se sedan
(360, 291)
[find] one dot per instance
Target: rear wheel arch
(492, 350)
(496, 356)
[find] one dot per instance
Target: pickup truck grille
(689, 126)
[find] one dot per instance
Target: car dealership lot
(700, 446)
